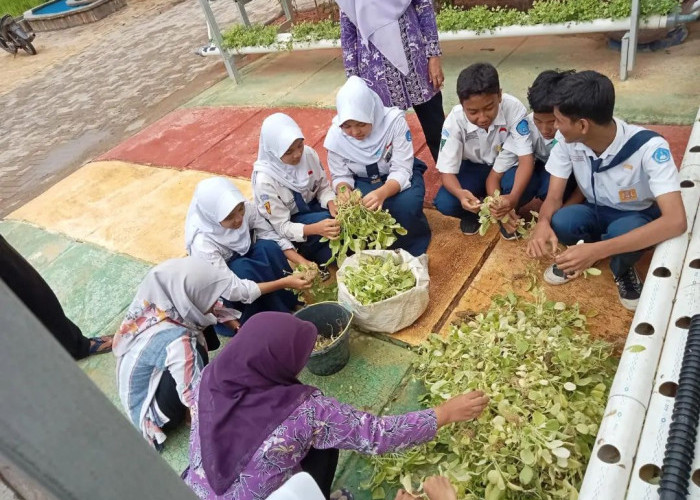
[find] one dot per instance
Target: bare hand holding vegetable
(578, 258)
(343, 192)
(461, 408)
(439, 488)
(328, 228)
(333, 208)
(469, 202)
(502, 206)
(374, 200)
(543, 241)
(296, 282)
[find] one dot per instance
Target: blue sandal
(101, 345)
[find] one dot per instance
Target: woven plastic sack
(397, 312)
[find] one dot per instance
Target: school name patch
(523, 127)
(661, 155)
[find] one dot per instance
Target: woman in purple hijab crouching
(254, 425)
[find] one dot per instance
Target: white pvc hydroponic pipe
(606, 478)
(597, 26)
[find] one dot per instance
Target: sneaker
(555, 276)
(469, 225)
(506, 235)
(629, 287)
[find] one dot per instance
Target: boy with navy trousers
(629, 180)
(472, 140)
(541, 123)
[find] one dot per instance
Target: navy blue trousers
(472, 176)
(313, 249)
(590, 223)
(264, 262)
(407, 208)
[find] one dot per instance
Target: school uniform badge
(661, 155)
(408, 136)
(523, 127)
(267, 208)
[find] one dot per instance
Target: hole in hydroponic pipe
(668, 389)
(683, 322)
(696, 477)
(687, 184)
(695, 149)
(662, 272)
(644, 329)
(695, 264)
(650, 473)
(609, 454)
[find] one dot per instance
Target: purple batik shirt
(419, 37)
(319, 422)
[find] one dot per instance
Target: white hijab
(181, 290)
(378, 22)
(356, 101)
(213, 201)
(301, 486)
(277, 134)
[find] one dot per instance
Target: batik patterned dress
(419, 37)
(320, 422)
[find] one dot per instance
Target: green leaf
(593, 271)
(570, 386)
(636, 348)
(527, 456)
(526, 474)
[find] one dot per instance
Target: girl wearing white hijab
(370, 149)
(226, 230)
(161, 347)
(291, 188)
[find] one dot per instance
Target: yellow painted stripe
(132, 209)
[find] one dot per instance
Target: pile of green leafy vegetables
(486, 218)
(319, 291)
(377, 278)
(480, 19)
(547, 380)
(362, 229)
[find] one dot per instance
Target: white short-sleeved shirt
(632, 185)
(205, 247)
(276, 202)
(541, 147)
(463, 140)
(396, 162)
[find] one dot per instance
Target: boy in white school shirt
(472, 139)
(541, 123)
(628, 178)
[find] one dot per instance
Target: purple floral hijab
(249, 389)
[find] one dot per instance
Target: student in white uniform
(472, 138)
(542, 134)
(370, 149)
(291, 188)
(225, 229)
(628, 177)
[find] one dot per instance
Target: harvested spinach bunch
(361, 228)
(377, 278)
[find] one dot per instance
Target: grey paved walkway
(112, 88)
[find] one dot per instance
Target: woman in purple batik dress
(393, 45)
(254, 425)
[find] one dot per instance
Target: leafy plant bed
(547, 380)
(479, 19)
